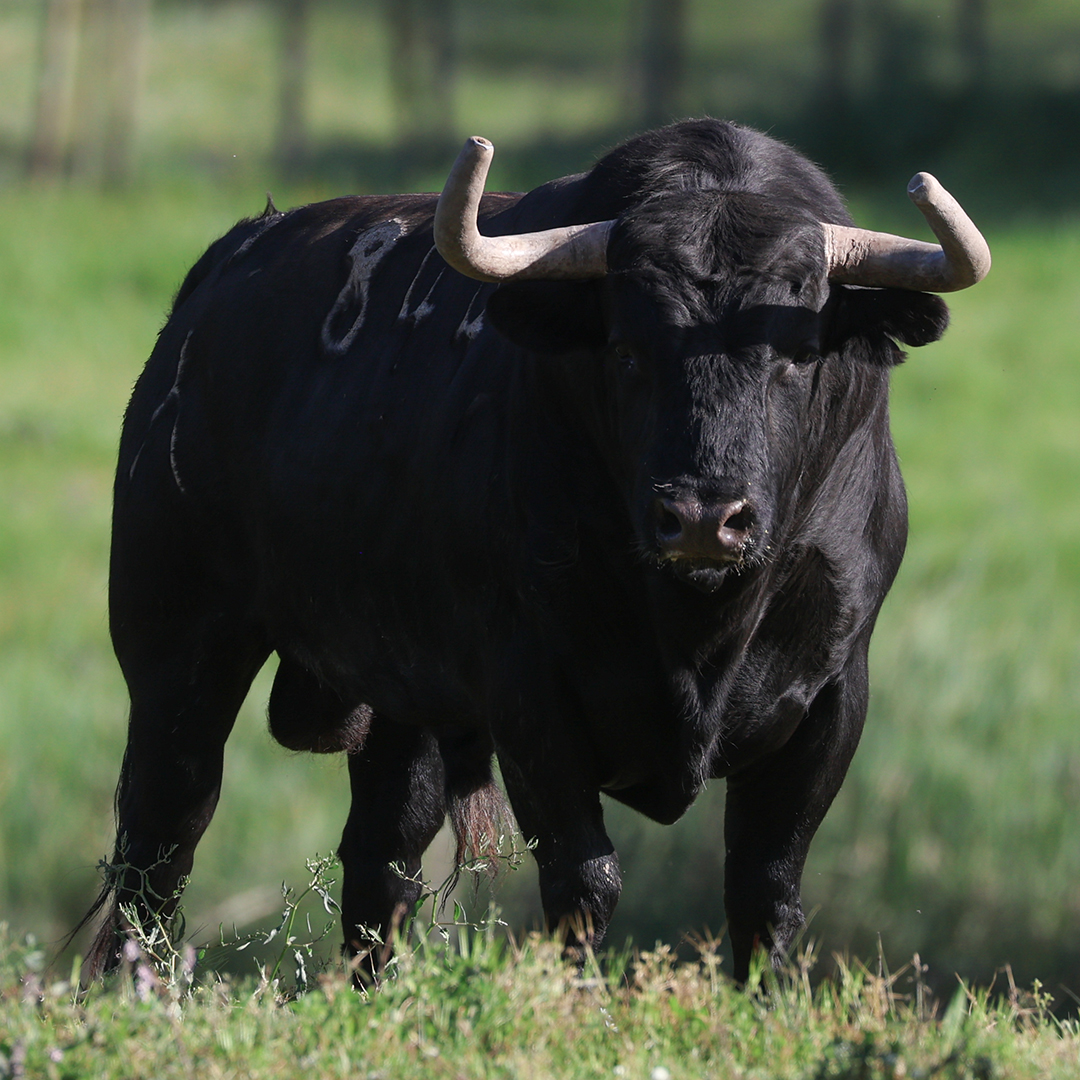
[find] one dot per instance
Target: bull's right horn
(573, 252)
(861, 257)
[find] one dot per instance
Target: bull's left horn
(572, 252)
(861, 257)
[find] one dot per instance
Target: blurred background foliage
(132, 133)
(368, 91)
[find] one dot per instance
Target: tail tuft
(480, 820)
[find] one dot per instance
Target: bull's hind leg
(397, 780)
(187, 672)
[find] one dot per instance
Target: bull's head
(713, 314)
(853, 256)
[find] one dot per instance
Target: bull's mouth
(702, 574)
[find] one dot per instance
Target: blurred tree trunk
(84, 158)
(56, 85)
(662, 60)
(292, 136)
(423, 62)
(126, 49)
(973, 33)
(108, 89)
(837, 29)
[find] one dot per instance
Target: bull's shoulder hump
(353, 215)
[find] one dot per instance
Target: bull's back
(306, 336)
(324, 419)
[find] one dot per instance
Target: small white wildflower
(660, 1073)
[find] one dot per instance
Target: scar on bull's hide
(470, 325)
(425, 307)
(346, 316)
(171, 398)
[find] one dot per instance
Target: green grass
(961, 825)
(485, 1008)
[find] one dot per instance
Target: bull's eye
(625, 356)
(807, 354)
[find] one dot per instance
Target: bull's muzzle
(687, 529)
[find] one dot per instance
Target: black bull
(622, 534)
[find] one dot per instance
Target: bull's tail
(481, 820)
(102, 954)
(480, 815)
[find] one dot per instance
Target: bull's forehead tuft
(712, 239)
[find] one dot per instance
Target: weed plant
(485, 1006)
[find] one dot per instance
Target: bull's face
(703, 356)
(713, 327)
(708, 334)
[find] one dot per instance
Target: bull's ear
(548, 316)
(913, 318)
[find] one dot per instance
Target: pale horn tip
(569, 253)
(476, 153)
(966, 254)
(923, 188)
(477, 148)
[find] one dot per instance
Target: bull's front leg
(773, 809)
(560, 810)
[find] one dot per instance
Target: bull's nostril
(740, 522)
(668, 526)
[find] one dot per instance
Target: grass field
(486, 1009)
